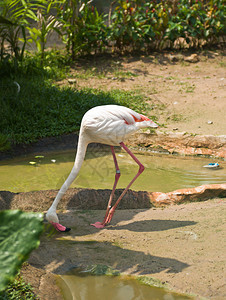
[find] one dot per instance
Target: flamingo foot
(98, 225)
(60, 227)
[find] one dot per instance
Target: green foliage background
(129, 25)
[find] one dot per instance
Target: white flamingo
(107, 124)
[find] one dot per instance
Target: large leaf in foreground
(19, 235)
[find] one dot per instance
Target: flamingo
(106, 124)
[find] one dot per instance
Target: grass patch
(176, 117)
(90, 73)
(4, 143)
(222, 64)
(124, 74)
(43, 109)
(187, 88)
(33, 106)
(18, 289)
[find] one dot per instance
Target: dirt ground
(181, 245)
(185, 96)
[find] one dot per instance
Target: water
(162, 173)
(78, 286)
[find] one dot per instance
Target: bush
(166, 24)
(133, 25)
(91, 32)
(199, 23)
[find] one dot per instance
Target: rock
(181, 143)
(192, 58)
(72, 80)
(199, 193)
(173, 58)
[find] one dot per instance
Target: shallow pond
(80, 286)
(162, 173)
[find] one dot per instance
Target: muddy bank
(60, 143)
(97, 199)
(179, 143)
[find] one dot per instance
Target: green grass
(90, 73)
(41, 108)
(186, 87)
(222, 64)
(176, 117)
(124, 74)
(18, 289)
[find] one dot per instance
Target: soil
(185, 91)
(181, 245)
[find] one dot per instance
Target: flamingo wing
(128, 115)
(110, 124)
(117, 113)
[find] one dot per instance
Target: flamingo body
(112, 124)
(107, 124)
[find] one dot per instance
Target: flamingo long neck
(81, 151)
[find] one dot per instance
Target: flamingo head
(52, 218)
(153, 124)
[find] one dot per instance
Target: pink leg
(141, 169)
(110, 211)
(117, 176)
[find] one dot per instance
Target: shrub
(84, 30)
(133, 25)
(126, 29)
(167, 24)
(91, 31)
(14, 16)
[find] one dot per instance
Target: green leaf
(5, 21)
(31, 14)
(19, 235)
